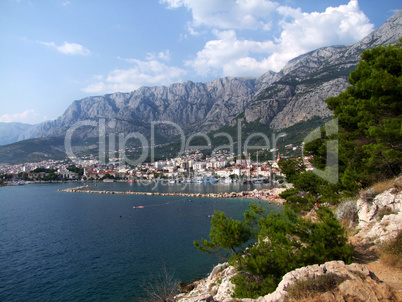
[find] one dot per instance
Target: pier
(271, 195)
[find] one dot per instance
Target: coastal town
(191, 167)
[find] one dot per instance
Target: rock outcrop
(359, 284)
(380, 216)
(216, 287)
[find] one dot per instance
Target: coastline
(270, 195)
(368, 276)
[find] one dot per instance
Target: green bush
(226, 233)
(286, 243)
(252, 286)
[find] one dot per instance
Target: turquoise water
(57, 246)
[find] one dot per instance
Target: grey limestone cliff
(308, 80)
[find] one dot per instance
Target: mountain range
(276, 100)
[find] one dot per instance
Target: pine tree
(370, 116)
(226, 234)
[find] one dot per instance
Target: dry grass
(391, 251)
(307, 298)
(309, 289)
(385, 185)
(383, 212)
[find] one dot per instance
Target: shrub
(391, 251)
(347, 211)
(306, 288)
(368, 195)
(162, 287)
(383, 212)
(292, 242)
(252, 286)
(226, 234)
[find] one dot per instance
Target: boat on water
(226, 180)
(256, 181)
(108, 180)
(138, 207)
(209, 179)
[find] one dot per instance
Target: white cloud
(142, 73)
(231, 55)
(299, 33)
(224, 14)
(164, 56)
(68, 48)
(337, 25)
(27, 116)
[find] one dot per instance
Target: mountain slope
(192, 106)
(296, 93)
(275, 100)
(304, 84)
(13, 132)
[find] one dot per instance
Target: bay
(57, 246)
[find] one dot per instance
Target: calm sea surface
(57, 246)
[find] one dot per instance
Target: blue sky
(56, 51)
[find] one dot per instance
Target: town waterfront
(56, 246)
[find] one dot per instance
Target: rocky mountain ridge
(308, 80)
(275, 100)
(189, 105)
(278, 100)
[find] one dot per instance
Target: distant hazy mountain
(277, 100)
(13, 132)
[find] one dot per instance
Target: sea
(58, 246)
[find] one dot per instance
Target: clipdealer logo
(109, 140)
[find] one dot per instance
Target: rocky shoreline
(359, 282)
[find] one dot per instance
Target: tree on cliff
(370, 116)
(226, 234)
(286, 242)
(369, 135)
(282, 243)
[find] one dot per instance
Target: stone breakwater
(270, 195)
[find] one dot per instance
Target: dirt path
(366, 254)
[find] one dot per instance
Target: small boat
(209, 179)
(226, 180)
(138, 207)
